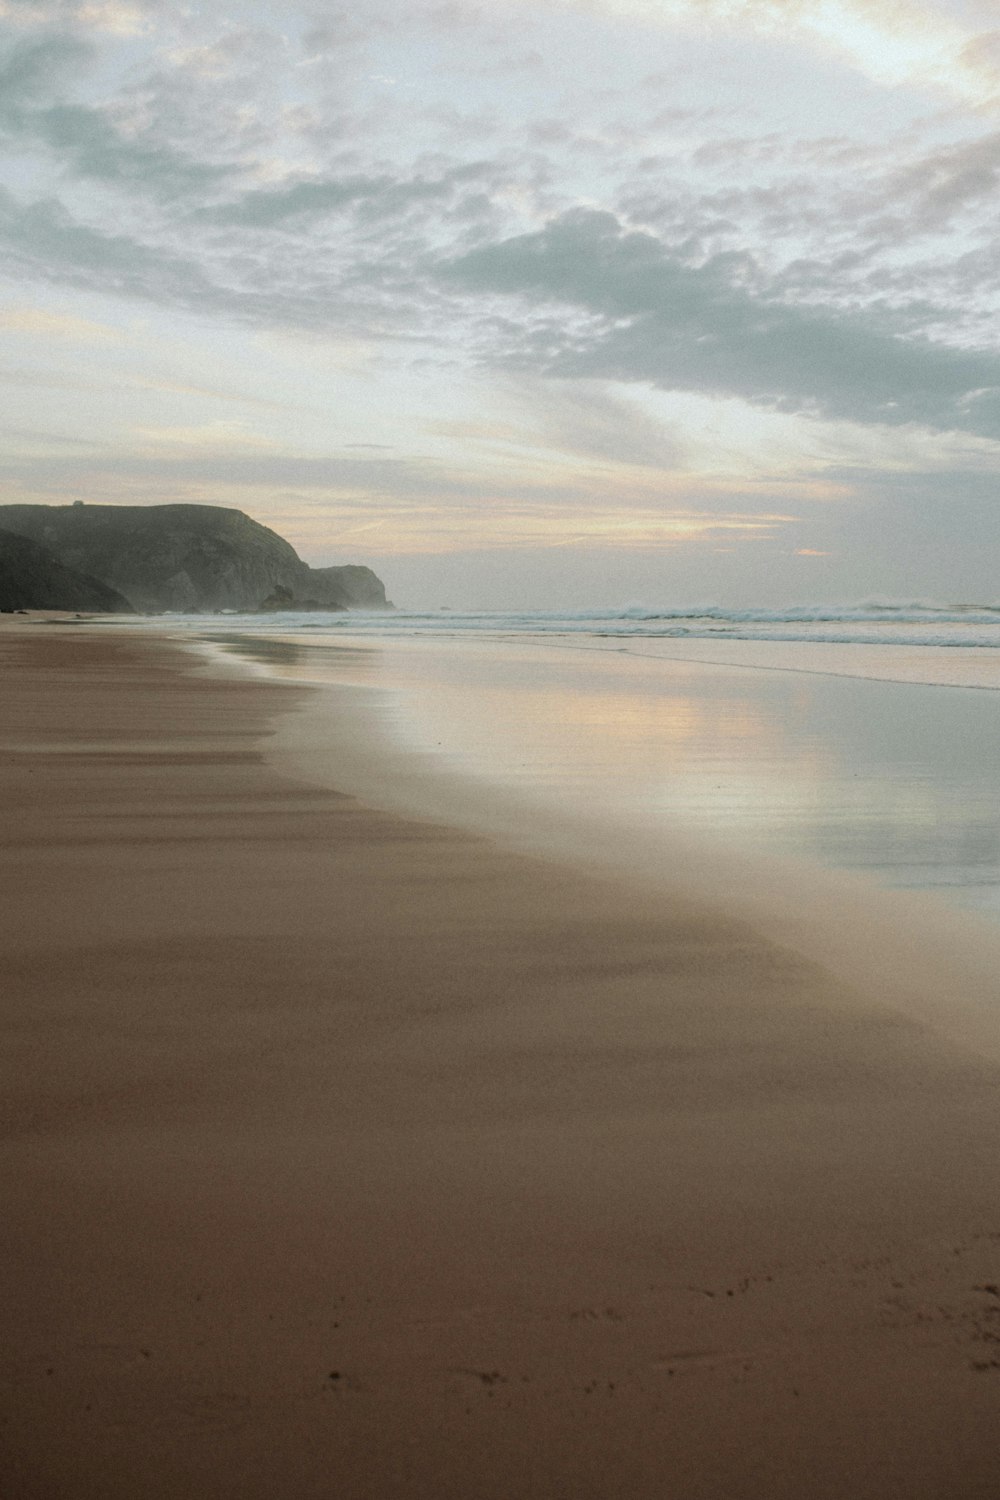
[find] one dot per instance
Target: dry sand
(349, 1156)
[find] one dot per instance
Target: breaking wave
(871, 622)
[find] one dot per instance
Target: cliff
(32, 577)
(354, 586)
(189, 557)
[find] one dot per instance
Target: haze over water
(861, 738)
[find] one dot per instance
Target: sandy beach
(350, 1155)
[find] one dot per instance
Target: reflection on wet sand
(893, 778)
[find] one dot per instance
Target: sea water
(862, 737)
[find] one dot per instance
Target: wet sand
(349, 1155)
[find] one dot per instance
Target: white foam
(948, 645)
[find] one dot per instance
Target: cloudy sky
(524, 302)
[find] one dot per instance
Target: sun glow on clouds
(37, 322)
(114, 16)
(210, 437)
(430, 529)
(890, 41)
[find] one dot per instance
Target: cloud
(651, 316)
(306, 200)
(36, 322)
(891, 42)
(32, 68)
(585, 419)
(88, 142)
(91, 145)
(942, 183)
(402, 506)
(44, 240)
(121, 17)
(225, 176)
(330, 35)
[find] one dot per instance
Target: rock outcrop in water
(32, 577)
(282, 598)
(189, 557)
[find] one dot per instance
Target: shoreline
(347, 1150)
(912, 946)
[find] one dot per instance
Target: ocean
(872, 623)
(861, 737)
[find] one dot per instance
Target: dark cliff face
(351, 586)
(32, 577)
(186, 557)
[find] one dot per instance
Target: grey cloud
(332, 34)
(363, 288)
(311, 199)
(833, 218)
(296, 202)
(205, 115)
(34, 68)
(498, 37)
(889, 195)
(88, 142)
(586, 418)
(255, 470)
(695, 327)
(947, 181)
(42, 238)
(85, 140)
(410, 244)
(738, 149)
(354, 480)
(46, 437)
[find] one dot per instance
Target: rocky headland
(155, 558)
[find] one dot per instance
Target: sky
(528, 303)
